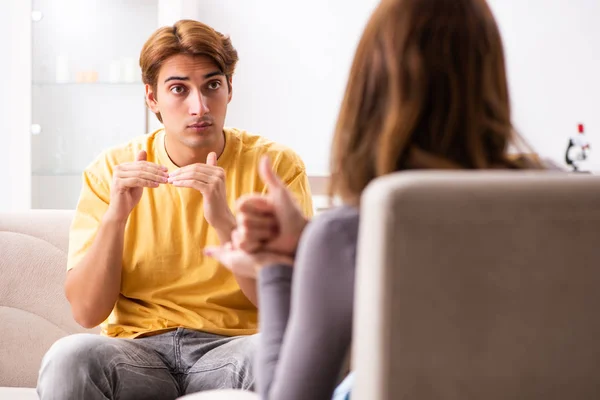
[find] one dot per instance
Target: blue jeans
(342, 392)
(164, 366)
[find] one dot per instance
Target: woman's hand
(268, 229)
(273, 222)
(246, 264)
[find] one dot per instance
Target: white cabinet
(87, 93)
(71, 88)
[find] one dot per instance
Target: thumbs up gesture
(273, 222)
(268, 229)
(208, 179)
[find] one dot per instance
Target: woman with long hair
(427, 90)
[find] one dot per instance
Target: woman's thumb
(268, 176)
(141, 156)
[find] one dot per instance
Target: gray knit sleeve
(306, 322)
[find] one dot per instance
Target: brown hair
(427, 89)
(186, 37)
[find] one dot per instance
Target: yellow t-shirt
(167, 282)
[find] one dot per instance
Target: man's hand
(209, 180)
(129, 181)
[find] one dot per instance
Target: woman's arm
(302, 358)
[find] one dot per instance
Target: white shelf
(88, 84)
(46, 174)
(55, 191)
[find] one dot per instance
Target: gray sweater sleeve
(306, 323)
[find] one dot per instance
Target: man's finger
(193, 175)
(202, 168)
(211, 159)
(205, 188)
(141, 174)
(192, 184)
(213, 251)
(138, 182)
(144, 166)
(219, 253)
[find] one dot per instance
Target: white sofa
(33, 308)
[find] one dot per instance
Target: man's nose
(198, 105)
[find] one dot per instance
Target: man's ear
(230, 84)
(151, 99)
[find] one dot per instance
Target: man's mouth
(200, 125)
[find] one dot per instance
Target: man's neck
(182, 155)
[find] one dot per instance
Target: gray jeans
(164, 366)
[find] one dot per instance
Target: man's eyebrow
(185, 78)
(177, 78)
(211, 74)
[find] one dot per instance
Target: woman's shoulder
(341, 221)
(329, 240)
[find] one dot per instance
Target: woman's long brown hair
(427, 89)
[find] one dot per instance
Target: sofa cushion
(10, 393)
(33, 307)
(229, 394)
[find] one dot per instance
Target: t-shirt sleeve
(93, 203)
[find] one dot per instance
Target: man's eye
(214, 85)
(177, 89)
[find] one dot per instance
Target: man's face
(192, 97)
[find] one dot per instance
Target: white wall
(554, 70)
(295, 58)
(294, 62)
(171, 11)
(15, 105)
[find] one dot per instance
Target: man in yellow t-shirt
(173, 320)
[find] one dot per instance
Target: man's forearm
(93, 286)
(225, 229)
(248, 286)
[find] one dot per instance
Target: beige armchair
(478, 285)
